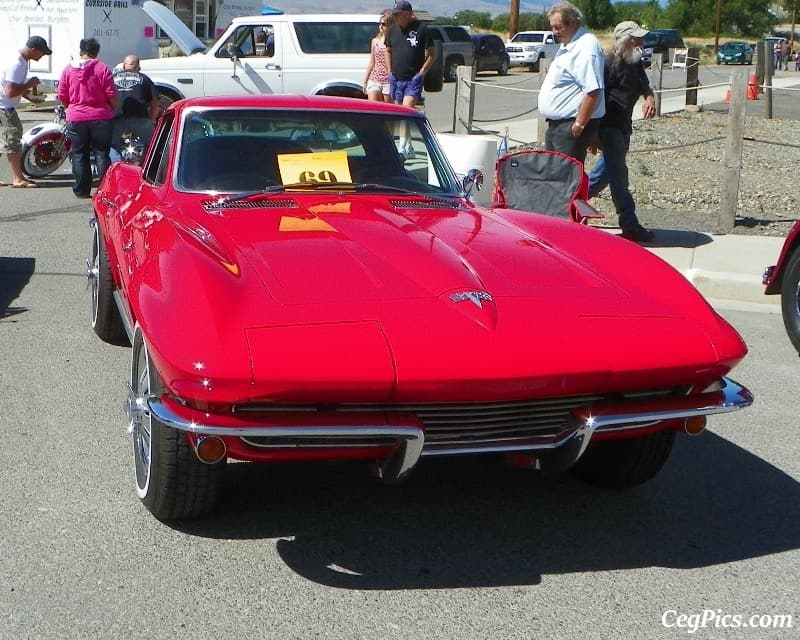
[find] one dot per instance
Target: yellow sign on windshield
(328, 166)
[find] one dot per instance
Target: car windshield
(733, 46)
(240, 150)
(528, 37)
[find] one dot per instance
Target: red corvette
(784, 278)
(306, 279)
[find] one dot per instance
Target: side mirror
(235, 52)
(474, 178)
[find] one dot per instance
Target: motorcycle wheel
(44, 157)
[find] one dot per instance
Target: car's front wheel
(106, 321)
(790, 298)
(503, 70)
(170, 480)
(627, 462)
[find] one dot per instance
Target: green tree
(648, 14)
(597, 14)
(473, 18)
(500, 23)
(698, 17)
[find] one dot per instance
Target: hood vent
(427, 203)
(266, 203)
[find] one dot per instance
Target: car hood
(180, 34)
(410, 297)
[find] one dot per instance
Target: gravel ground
(676, 165)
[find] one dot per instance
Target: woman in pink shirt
(87, 90)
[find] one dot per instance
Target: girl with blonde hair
(376, 84)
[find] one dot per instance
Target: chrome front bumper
(408, 440)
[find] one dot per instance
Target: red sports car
(305, 278)
(784, 278)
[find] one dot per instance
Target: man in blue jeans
(625, 82)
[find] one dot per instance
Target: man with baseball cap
(625, 81)
(15, 85)
(409, 56)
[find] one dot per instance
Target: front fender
(773, 277)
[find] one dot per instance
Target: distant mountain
(434, 7)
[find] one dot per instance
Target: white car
(527, 48)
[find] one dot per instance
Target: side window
(155, 168)
(242, 42)
(436, 35)
(334, 37)
(457, 34)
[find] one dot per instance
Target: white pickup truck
(527, 48)
(325, 54)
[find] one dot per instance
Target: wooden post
(769, 65)
(692, 74)
(464, 108)
(541, 125)
(729, 198)
(656, 80)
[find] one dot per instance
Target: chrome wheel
(140, 425)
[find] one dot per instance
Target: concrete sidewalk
(721, 267)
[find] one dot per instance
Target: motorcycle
(46, 146)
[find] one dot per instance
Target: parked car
(456, 48)
(735, 52)
(660, 41)
(528, 48)
(784, 278)
(295, 289)
(490, 54)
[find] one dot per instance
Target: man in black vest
(625, 81)
(137, 106)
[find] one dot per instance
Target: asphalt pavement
(721, 266)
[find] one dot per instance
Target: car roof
(288, 101)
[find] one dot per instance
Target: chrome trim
(124, 313)
(733, 397)
(566, 446)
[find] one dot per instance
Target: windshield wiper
(318, 186)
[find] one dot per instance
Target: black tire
(170, 480)
(106, 321)
(625, 463)
(451, 66)
(790, 298)
(44, 157)
(503, 70)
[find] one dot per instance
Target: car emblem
(475, 297)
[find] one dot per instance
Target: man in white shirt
(571, 96)
(15, 85)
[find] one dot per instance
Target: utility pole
(513, 19)
(718, 10)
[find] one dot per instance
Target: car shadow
(15, 273)
(473, 522)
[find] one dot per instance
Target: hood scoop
(427, 203)
(251, 203)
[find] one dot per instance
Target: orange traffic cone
(752, 87)
(728, 96)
